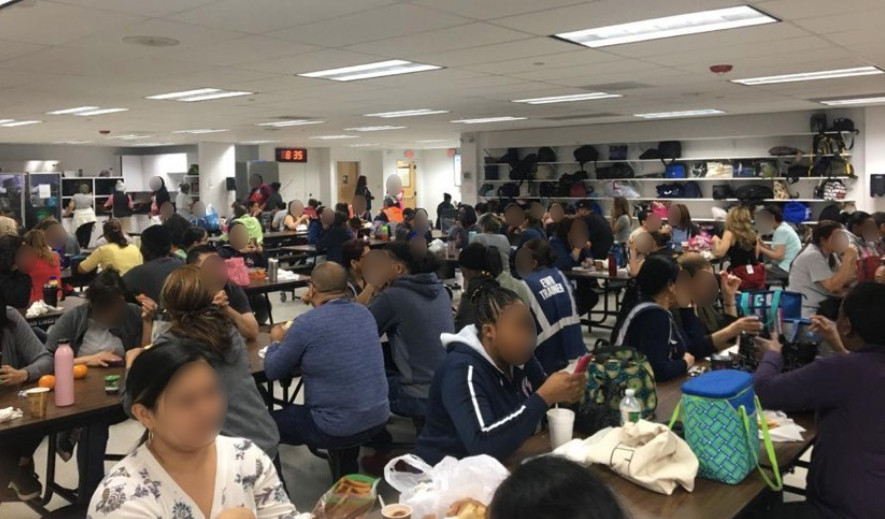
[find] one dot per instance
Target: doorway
(348, 173)
(406, 171)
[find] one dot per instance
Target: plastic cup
(562, 426)
(397, 512)
(38, 400)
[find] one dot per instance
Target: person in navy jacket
(490, 393)
(567, 255)
(560, 338)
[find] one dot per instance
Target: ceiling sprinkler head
(721, 69)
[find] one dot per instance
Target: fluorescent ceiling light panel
(855, 101)
(374, 128)
(291, 122)
(7, 3)
(72, 142)
(810, 76)
(200, 94)
(670, 26)
(567, 98)
(408, 113)
(15, 124)
(684, 113)
(370, 70)
(4, 121)
(484, 120)
(334, 137)
(258, 142)
(130, 137)
(204, 130)
(102, 111)
(363, 145)
(72, 111)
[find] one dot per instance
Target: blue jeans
(297, 427)
(402, 404)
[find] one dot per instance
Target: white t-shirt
(98, 339)
(139, 487)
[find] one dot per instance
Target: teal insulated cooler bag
(720, 417)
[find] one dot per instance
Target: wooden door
(348, 173)
(406, 171)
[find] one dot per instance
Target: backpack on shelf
(796, 212)
(831, 212)
(781, 192)
(719, 170)
(486, 190)
(525, 169)
(675, 170)
(509, 190)
(548, 189)
(619, 188)
(842, 124)
(578, 190)
(819, 123)
(754, 193)
(797, 171)
(785, 151)
(511, 157)
(617, 152)
(831, 190)
(545, 172)
(671, 150)
(650, 154)
(546, 154)
(673, 190)
(744, 170)
(692, 190)
(586, 154)
(492, 172)
(722, 192)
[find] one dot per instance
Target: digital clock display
(291, 155)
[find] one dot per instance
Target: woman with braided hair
(490, 393)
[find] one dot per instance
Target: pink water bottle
(64, 374)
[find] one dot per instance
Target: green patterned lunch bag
(609, 375)
(720, 416)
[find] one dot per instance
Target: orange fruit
(47, 381)
(80, 371)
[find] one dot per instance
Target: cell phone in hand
(583, 363)
(116, 363)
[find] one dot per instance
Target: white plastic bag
(432, 490)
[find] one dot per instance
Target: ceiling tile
(190, 36)
(576, 58)
(262, 16)
(800, 9)
(452, 38)
(243, 50)
(860, 21)
(11, 49)
(377, 24)
(47, 23)
(503, 51)
(312, 62)
(488, 9)
(152, 8)
(807, 45)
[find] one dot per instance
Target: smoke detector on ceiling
(151, 41)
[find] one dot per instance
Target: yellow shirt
(111, 255)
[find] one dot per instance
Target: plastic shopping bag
(352, 497)
(432, 490)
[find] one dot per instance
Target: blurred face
(25, 259)
(254, 181)
(537, 211)
(764, 223)
(653, 222)
(705, 288)
(838, 242)
(394, 185)
(513, 335)
(111, 315)
(166, 210)
(674, 215)
(514, 216)
(358, 264)
(525, 263)
(239, 237)
(644, 242)
(199, 209)
(359, 204)
(190, 412)
(579, 234)
(56, 237)
(869, 231)
(155, 183)
(557, 213)
(421, 224)
(377, 268)
(296, 208)
(213, 273)
(328, 217)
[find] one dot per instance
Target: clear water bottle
(631, 411)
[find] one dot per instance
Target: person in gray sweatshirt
(196, 321)
(24, 359)
(413, 310)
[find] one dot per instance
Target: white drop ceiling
(56, 54)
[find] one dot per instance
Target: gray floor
(307, 476)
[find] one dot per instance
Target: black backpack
(722, 192)
(669, 150)
(830, 212)
(511, 157)
(753, 194)
(842, 124)
(649, 154)
(615, 172)
(692, 190)
(525, 169)
(673, 190)
(548, 189)
(509, 190)
(586, 154)
(546, 154)
(819, 123)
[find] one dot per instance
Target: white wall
(874, 140)
(139, 169)
(91, 159)
(217, 163)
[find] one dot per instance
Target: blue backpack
(675, 171)
(692, 190)
(796, 212)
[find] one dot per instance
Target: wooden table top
(258, 286)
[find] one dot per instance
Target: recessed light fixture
(72, 142)
(259, 142)
(204, 130)
(7, 3)
(103, 111)
(130, 137)
(374, 128)
(408, 113)
(567, 98)
(4, 121)
(363, 145)
(200, 94)
(87, 111)
(854, 101)
(683, 113)
(334, 137)
(370, 70)
(669, 26)
(810, 76)
(291, 122)
(484, 120)
(14, 123)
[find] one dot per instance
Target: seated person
(785, 244)
(100, 333)
(413, 310)
(459, 234)
(242, 246)
(177, 225)
(568, 256)
(292, 222)
(536, 490)
(24, 359)
(847, 473)
(118, 253)
(192, 237)
(480, 266)
(45, 264)
(490, 236)
(864, 233)
(279, 216)
(252, 224)
(323, 353)
(334, 236)
(148, 278)
(645, 323)
(58, 238)
(721, 328)
(825, 268)
(490, 394)
(232, 300)
(599, 229)
(352, 254)
(560, 339)
(15, 262)
(390, 212)
(182, 467)
(315, 229)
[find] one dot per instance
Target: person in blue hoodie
(334, 237)
(490, 394)
(567, 255)
(560, 338)
(413, 310)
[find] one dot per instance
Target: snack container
(112, 384)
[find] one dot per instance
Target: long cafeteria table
(610, 285)
(49, 318)
(265, 287)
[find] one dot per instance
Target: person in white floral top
(183, 469)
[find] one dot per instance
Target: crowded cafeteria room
(442, 259)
